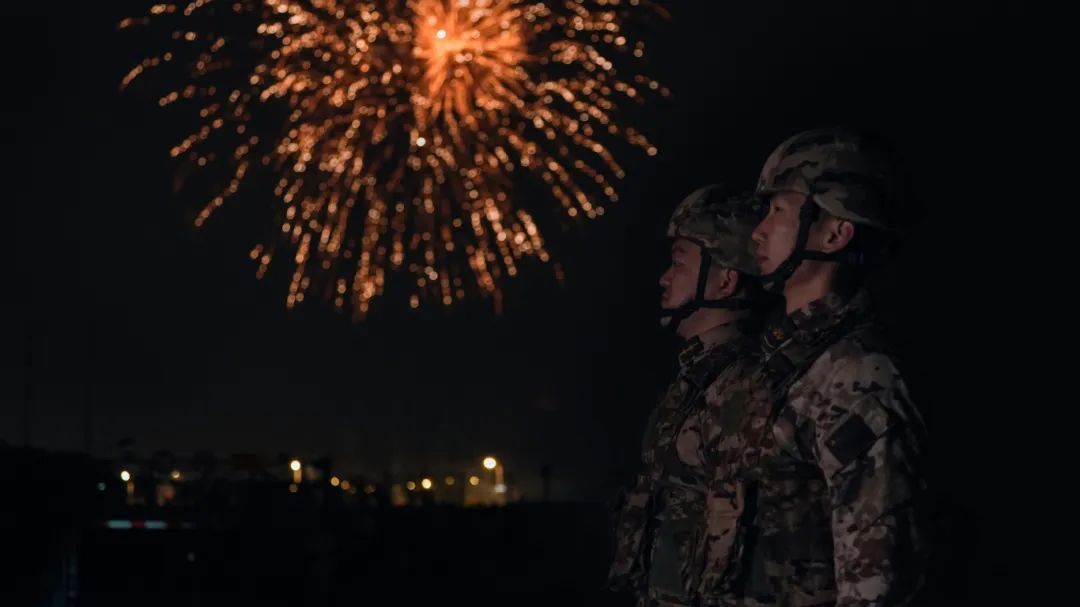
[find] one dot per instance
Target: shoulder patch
(850, 440)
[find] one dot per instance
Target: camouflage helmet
(720, 224)
(844, 173)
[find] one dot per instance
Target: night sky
(164, 330)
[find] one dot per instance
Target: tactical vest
(675, 482)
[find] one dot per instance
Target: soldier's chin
(668, 305)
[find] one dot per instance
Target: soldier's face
(679, 281)
(774, 238)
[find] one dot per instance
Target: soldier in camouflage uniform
(706, 300)
(825, 467)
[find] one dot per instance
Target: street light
(492, 464)
(474, 480)
(296, 474)
(129, 486)
(175, 475)
(426, 483)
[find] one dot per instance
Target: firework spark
(407, 125)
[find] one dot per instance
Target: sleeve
(867, 442)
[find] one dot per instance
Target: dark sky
(165, 331)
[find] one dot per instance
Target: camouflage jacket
(825, 469)
(660, 525)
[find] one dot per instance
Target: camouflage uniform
(661, 524)
(660, 528)
(827, 464)
(729, 400)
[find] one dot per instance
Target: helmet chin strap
(670, 318)
(774, 281)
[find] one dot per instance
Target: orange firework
(406, 126)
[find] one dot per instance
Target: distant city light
(490, 463)
(500, 488)
(345, 485)
(411, 486)
(426, 483)
(148, 525)
(369, 489)
(125, 476)
(175, 475)
(295, 465)
(101, 486)
(474, 480)
(450, 481)
(335, 481)
(293, 488)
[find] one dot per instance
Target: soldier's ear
(838, 233)
(723, 283)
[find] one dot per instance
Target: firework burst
(406, 126)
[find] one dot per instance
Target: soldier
(824, 473)
(707, 295)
